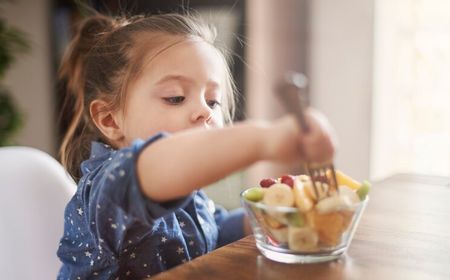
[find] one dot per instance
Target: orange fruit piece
(329, 227)
(347, 218)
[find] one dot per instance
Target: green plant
(12, 41)
(10, 118)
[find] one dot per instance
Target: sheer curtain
(411, 108)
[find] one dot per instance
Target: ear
(106, 120)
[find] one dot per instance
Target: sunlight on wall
(411, 111)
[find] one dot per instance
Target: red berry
(288, 180)
(265, 183)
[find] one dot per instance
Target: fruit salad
(291, 214)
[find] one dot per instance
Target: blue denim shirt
(112, 231)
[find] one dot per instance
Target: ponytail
(75, 144)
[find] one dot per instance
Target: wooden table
(403, 234)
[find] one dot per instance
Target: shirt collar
(98, 149)
(99, 153)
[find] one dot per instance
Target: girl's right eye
(174, 100)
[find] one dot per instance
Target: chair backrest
(34, 189)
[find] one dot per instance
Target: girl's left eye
(213, 103)
(174, 100)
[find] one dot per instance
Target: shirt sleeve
(117, 201)
(230, 223)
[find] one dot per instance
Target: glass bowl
(284, 234)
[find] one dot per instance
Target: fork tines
(321, 174)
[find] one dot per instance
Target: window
(411, 109)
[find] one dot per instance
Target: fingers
(317, 149)
(318, 145)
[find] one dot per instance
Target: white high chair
(34, 189)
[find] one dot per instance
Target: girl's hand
(319, 143)
(286, 141)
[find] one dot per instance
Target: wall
(341, 43)
(29, 79)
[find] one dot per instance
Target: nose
(202, 114)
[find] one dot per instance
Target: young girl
(152, 97)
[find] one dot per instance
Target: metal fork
(290, 93)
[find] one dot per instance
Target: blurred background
(378, 69)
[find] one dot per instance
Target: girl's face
(181, 87)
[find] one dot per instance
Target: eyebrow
(184, 79)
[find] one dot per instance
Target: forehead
(192, 58)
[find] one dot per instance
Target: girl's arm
(175, 166)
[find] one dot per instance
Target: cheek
(140, 124)
(167, 122)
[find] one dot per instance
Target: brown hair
(99, 64)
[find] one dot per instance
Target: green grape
(363, 190)
(254, 194)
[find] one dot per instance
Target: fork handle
(289, 91)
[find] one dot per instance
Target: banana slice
(302, 201)
(322, 188)
(302, 239)
(348, 192)
(333, 203)
(279, 195)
